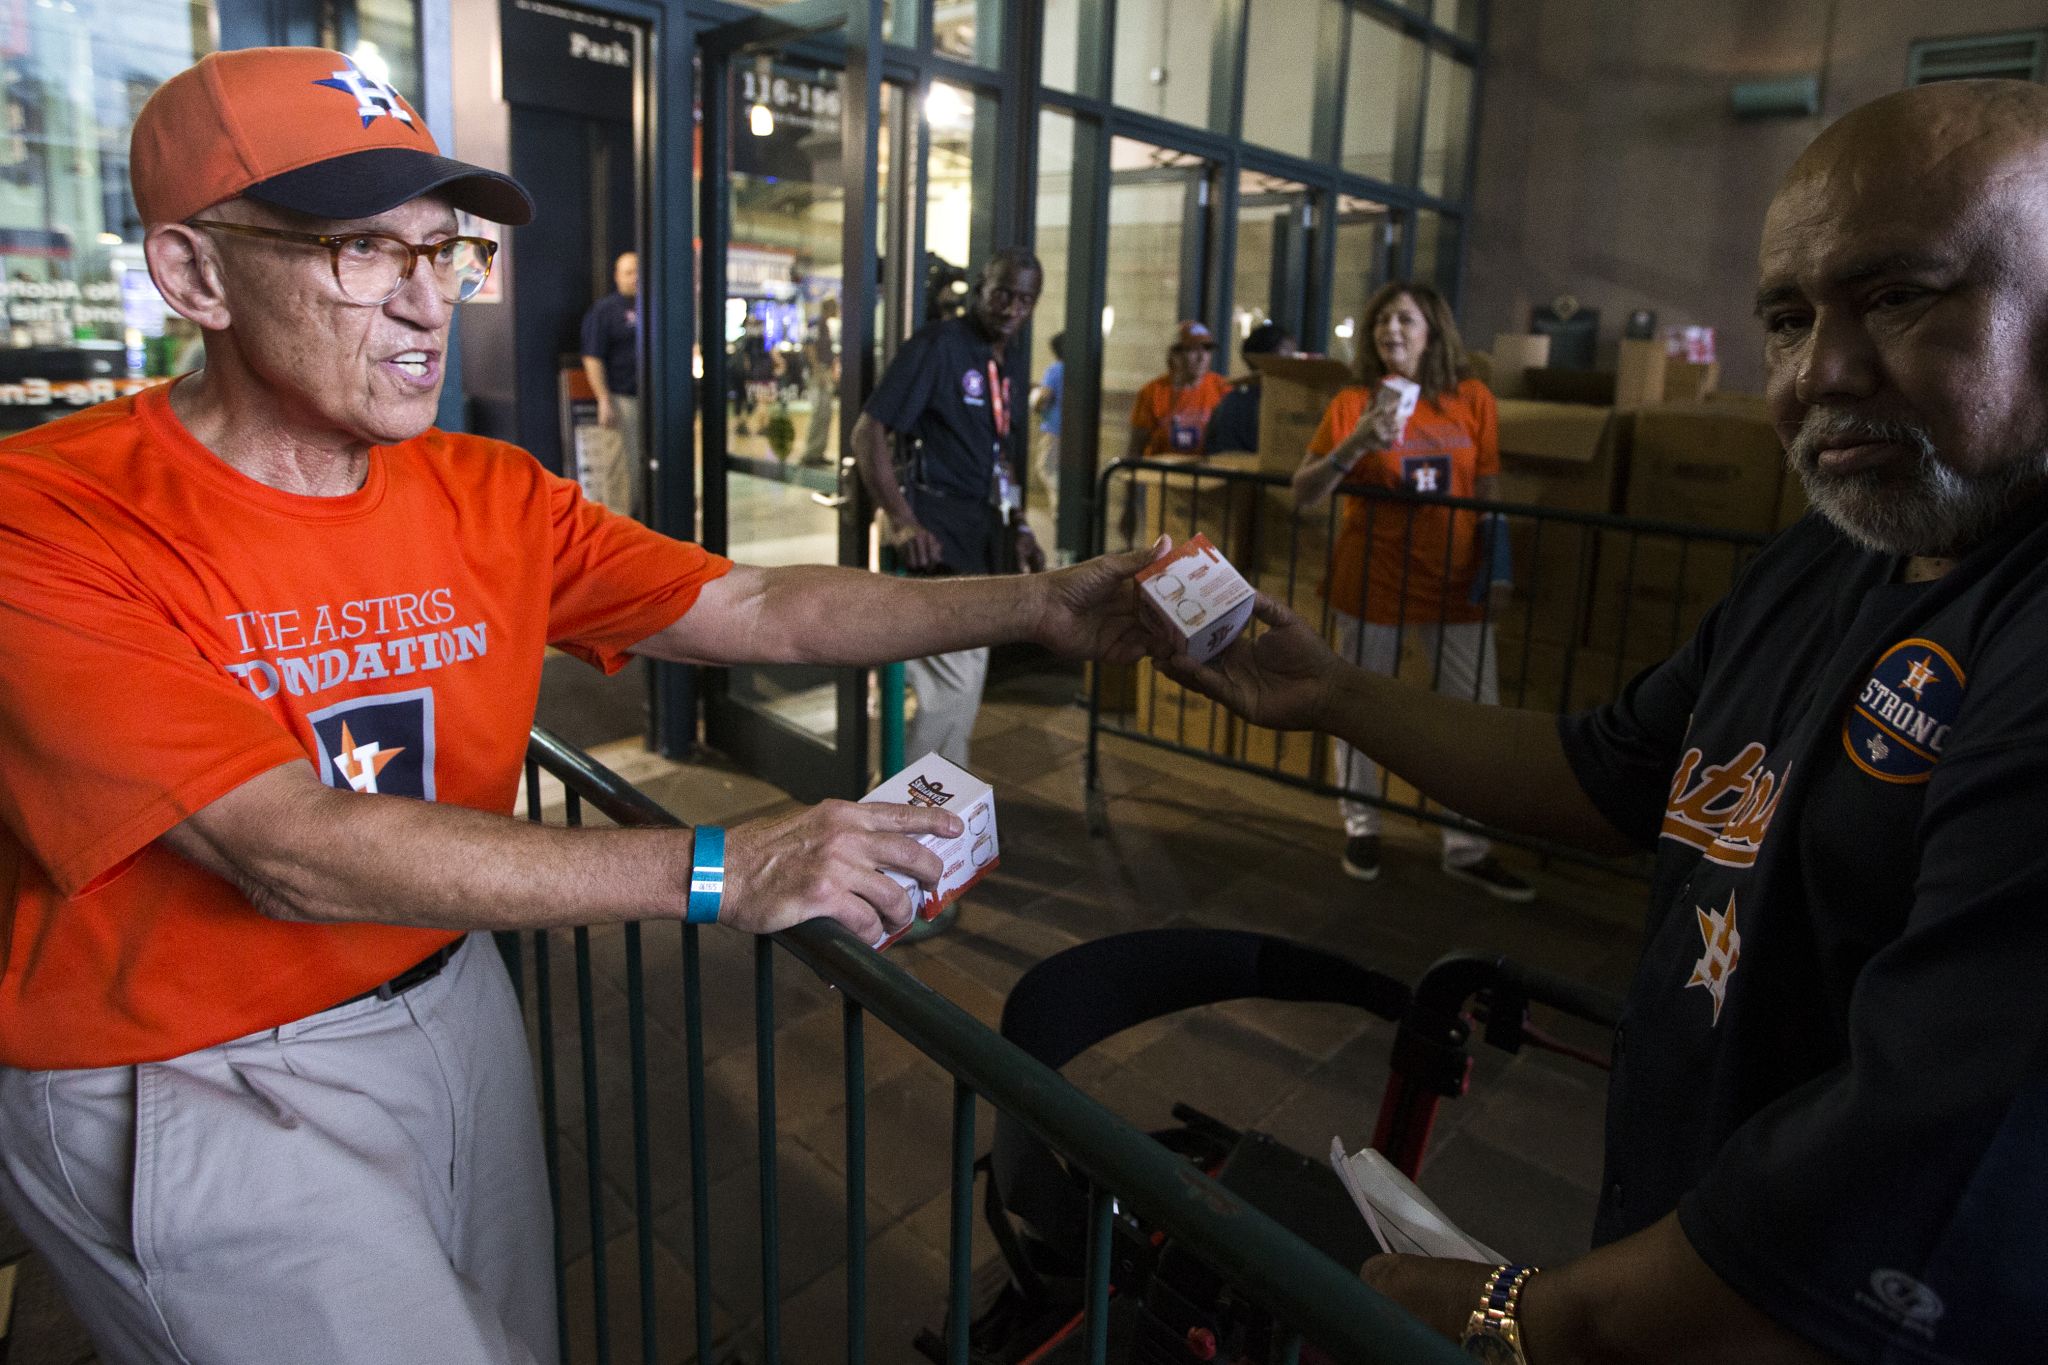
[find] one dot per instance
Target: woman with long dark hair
(1402, 569)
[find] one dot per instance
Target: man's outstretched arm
(822, 615)
(302, 851)
(1645, 1300)
(1499, 765)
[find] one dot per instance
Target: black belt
(426, 969)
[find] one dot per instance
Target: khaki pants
(948, 688)
(359, 1187)
(1463, 674)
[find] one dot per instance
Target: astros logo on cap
(374, 99)
(1900, 720)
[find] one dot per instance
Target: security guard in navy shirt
(950, 500)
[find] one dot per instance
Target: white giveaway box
(1407, 396)
(933, 782)
(1197, 590)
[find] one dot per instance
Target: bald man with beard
(1827, 1133)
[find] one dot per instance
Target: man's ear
(187, 273)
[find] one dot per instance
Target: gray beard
(1925, 509)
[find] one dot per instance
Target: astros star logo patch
(374, 99)
(1723, 951)
(360, 763)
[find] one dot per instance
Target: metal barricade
(1594, 599)
(1315, 1299)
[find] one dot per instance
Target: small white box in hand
(1206, 600)
(1407, 393)
(933, 782)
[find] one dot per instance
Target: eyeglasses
(371, 267)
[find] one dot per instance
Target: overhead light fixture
(1108, 318)
(110, 239)
(370, 61)
(761, 120)
(947, 106)
(1346, 329)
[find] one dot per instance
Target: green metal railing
(1314, 1298)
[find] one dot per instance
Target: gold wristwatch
(1492, 1334)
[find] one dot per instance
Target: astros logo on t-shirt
(382, 745)
(1896, 727)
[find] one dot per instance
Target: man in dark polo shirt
(950, 497)
(611, 361)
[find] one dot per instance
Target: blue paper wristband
(707, 875)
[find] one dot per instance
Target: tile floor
(1516, 1161)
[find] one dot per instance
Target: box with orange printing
(1200, 595)
(934, 782)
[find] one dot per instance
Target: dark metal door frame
(764, 746)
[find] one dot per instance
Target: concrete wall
(1610, 166)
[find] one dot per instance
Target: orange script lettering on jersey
(1723, 810)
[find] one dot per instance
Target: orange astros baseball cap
(301, 128)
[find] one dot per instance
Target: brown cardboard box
(1652, 590)
(1293, 391)
(1686, 382)
(1540, 676)
(1553, 579)
(1565, 455)
(1182, 504)
(1640, 374)
(1705, 464)
(1752, 404)
(1513, 353)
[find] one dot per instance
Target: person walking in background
(1171, 414)
(1047, 400)
(1403, 571)
(954, 503)
(611, 361)
(821, 357)
(1235, 423)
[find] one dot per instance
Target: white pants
(948, 688)
(360, 1187)
(1461, 672)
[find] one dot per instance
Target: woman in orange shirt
(1400, 569)
(1171, 414)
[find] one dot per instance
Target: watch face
(1494, 1350)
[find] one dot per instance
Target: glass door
(774, 194)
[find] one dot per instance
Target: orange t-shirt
(1177, 420)
(174, 629)
(1423, 559)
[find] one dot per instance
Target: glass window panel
(1459, 16)
(83, 321)
(949, 113)
(1365, 254)
(1061, 56)
(1382, 92)
(388, 43)
(1436, 253)
(1271, 281)
(1445, 126)
(969, 30)
(1152, 222)
(1280, 73)
(1055, 219)
(1164, 49)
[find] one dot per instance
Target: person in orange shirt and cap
(1171, 415)
(273, 644)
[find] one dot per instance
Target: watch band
(1493, 1332)
(707, 875)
